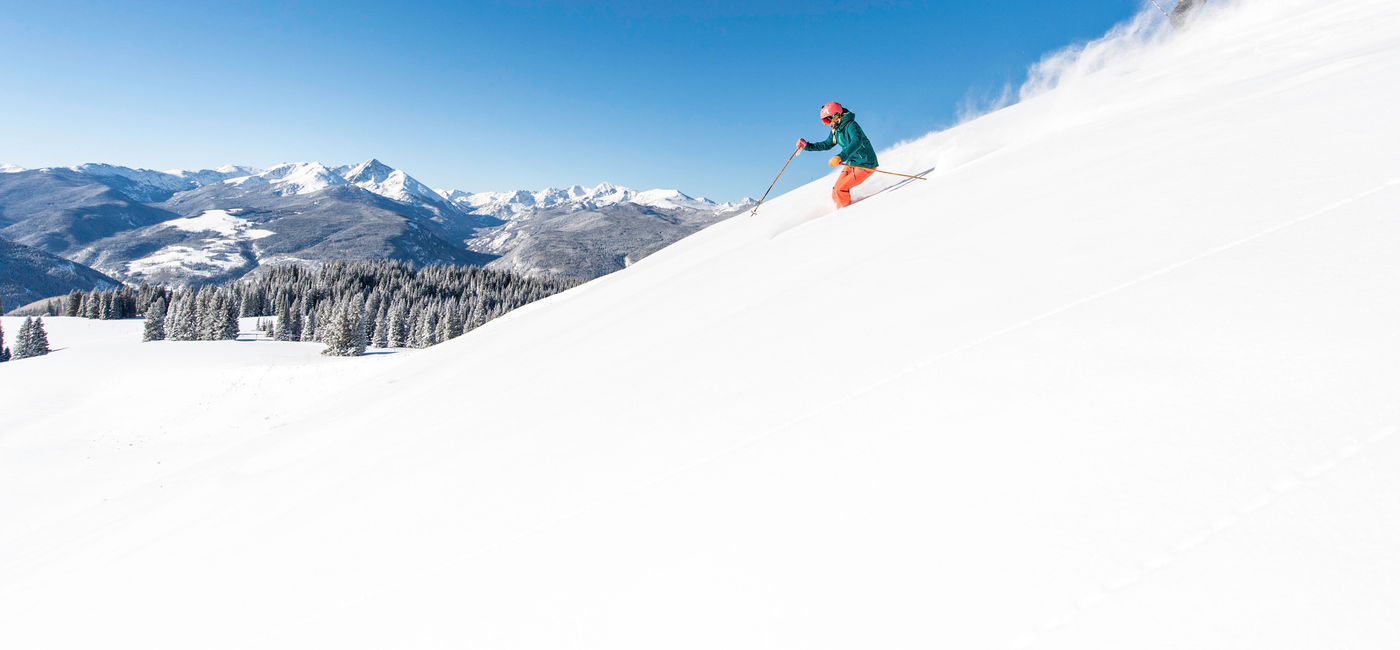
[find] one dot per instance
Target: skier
(1183, 10)
(856, 151)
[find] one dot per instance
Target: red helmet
(829, 110)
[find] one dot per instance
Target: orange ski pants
(849, 178)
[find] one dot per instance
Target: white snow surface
(7, 168)
(223, 222)
(1121, 374)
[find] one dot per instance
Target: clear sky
(704, 97)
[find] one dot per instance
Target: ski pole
(1159, 8)
(884, 172)
(775, 180)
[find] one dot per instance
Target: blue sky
(703, 97)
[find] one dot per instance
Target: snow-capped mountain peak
(453, 195)
(236, 169)
(7, 168)
(673, 199)
(381, 179)
(294, 178)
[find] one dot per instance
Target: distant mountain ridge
(577, 197)
(187, 227)
(28, 274)
(150, 186)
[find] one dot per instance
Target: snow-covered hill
(1122, 373)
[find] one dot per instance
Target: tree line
(349, 306)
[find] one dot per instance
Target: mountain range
(212, 225)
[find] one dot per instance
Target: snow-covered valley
(1121, 373)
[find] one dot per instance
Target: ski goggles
(830, 118)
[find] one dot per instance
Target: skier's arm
(824, 145)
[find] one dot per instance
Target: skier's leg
(862, 175)
(841, 193)
(849, 178)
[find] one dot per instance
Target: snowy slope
(1122, 373)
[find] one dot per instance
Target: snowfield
(1122, 373)
(224, 222)
(220, 253)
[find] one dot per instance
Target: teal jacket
(855, 147)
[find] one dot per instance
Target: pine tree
(210, 316)
(344, 335)
(428, 329)
(398, 326)
(309, 323)
(229, 332)
(32, 340)
(4, 351)
(336, 334)
(172, 318)
(92, 304)
(298, 324)
(40, 338)
(22, 339)
(155, 321)
(359, 330)
(413, 326)
(381, 331)
(187, 323)
(451, 322)
(284, 321)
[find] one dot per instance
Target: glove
(801, 143)
(835, 161)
